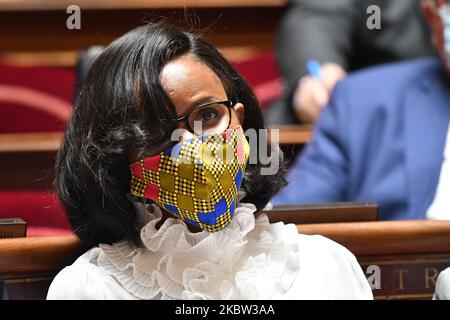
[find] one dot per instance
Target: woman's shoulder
(337, 268)
(77, 281)
(317, 245)
(325, 253)
(84, 280)
(312, 243)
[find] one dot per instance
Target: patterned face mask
(197, 180)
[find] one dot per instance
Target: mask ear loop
(147, 203)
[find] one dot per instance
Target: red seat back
(263, 75)
(35, 99)
(41, 210)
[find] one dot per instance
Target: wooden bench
(409, 255)
(35, 32)
(27, 159)
(324, 213)
(28, 265)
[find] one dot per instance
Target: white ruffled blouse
(249, 259)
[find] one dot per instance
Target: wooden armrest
(29, 265)
(41, 254)
(30, 142)
(294, 134)
(324, 213)
(386, 237)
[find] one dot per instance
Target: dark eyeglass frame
(185, 119)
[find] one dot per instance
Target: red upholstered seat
(263, 75)
(41, 210)
(35, 99)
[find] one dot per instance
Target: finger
(320, 94)
(330, 74)
(310, 98)
(313, 93)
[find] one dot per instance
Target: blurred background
(42, 61)
(47, 46)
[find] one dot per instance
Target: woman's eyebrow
(204, 100)
(201, 101)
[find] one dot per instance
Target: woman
(170, 219)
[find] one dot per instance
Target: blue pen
(313, 67)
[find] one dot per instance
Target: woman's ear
(239, 110)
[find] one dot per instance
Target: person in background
(384, 137)
(335, 33)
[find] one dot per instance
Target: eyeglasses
(209, 118)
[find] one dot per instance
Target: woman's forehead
(187, 80)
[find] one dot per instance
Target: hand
(313, 94)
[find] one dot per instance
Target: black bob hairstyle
(122, 109)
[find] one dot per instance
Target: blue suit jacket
(381, 138)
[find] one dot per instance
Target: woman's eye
(208, 115)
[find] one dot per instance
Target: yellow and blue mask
(197, 179)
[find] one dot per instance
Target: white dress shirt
(440, 207)
(249, 259)
(442, 291)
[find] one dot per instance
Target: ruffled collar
(246, 260)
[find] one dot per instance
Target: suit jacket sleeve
(320, 173)
(314, 29)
